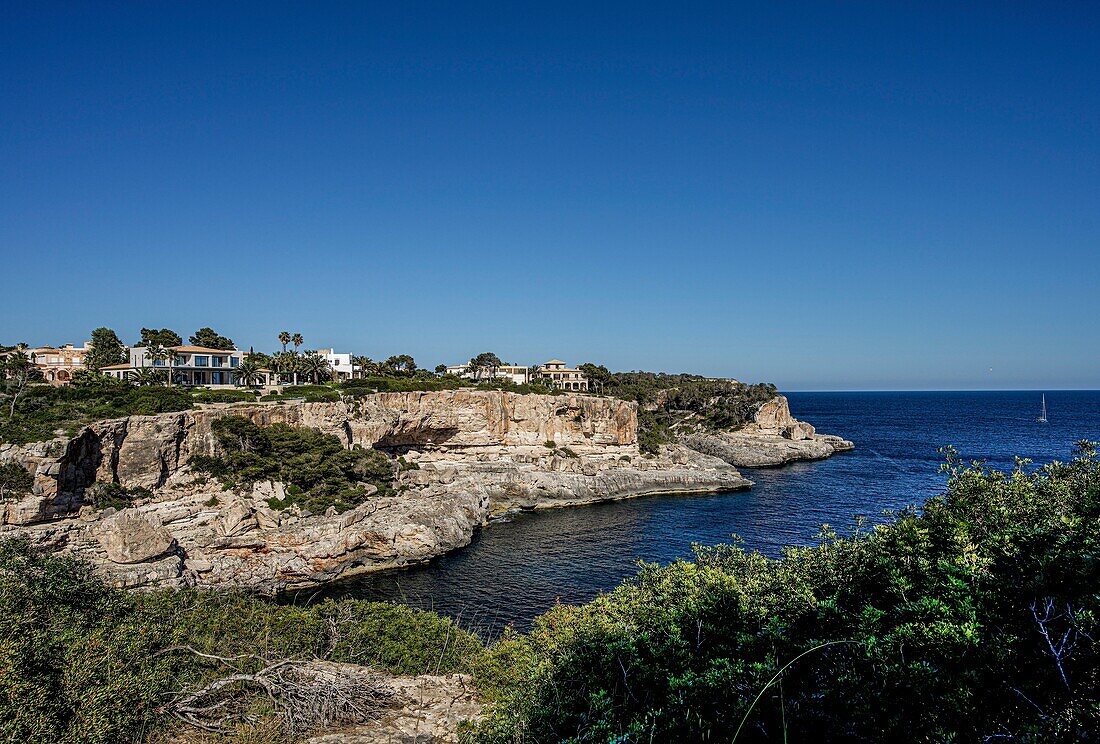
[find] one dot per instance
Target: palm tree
(284, 339)
(365, 364)
(248, 372)
(282, 362)
(315, 365)
(157, 353)
(297, 340)
(146, 376)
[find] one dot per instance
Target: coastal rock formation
(774, 438)
(478, 454)
(133, 537)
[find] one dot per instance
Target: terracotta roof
(201, 350)
(555, 361)
(117, 366)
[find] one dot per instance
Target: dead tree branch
(304, 694)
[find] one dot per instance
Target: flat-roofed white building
(339, 363)
(518, 374)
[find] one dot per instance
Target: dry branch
(304, 694)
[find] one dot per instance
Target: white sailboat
(1043, 412)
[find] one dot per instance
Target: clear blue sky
(847, 195)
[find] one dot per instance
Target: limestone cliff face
(774, 438)
(479, 454)
(147, 451)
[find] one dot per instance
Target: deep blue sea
(516, 570)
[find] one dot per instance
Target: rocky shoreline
(476, 455)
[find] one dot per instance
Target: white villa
(520, 375)
(189, 366)
(555, 372)
(339, 363)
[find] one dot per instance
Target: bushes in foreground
(976, 619)
(84, 663)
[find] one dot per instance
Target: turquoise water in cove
(514, 571)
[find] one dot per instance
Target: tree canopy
(401, 363)
(106, 349)
(211, 339)
(317, 469)
(486, 360)
(165, 337)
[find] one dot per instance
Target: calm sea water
(516, 570)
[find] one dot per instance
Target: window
(202, 361)
(217, 361)
(181, 361)
(234, 361)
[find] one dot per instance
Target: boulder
(798, 431)
(133, 537)
(265, 490)
(774, 416)
(162, 572)
(236, 519)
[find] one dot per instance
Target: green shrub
(400, 639)
(567, 452)
(550, 444)
(75, 664)
(15, 481)
(225, 396)
(318, 470)
(652, 432)
(110, 494)
(934, 628)
(81, 662)
(44, 410)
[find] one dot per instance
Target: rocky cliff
(478, 453)
(774, 438)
